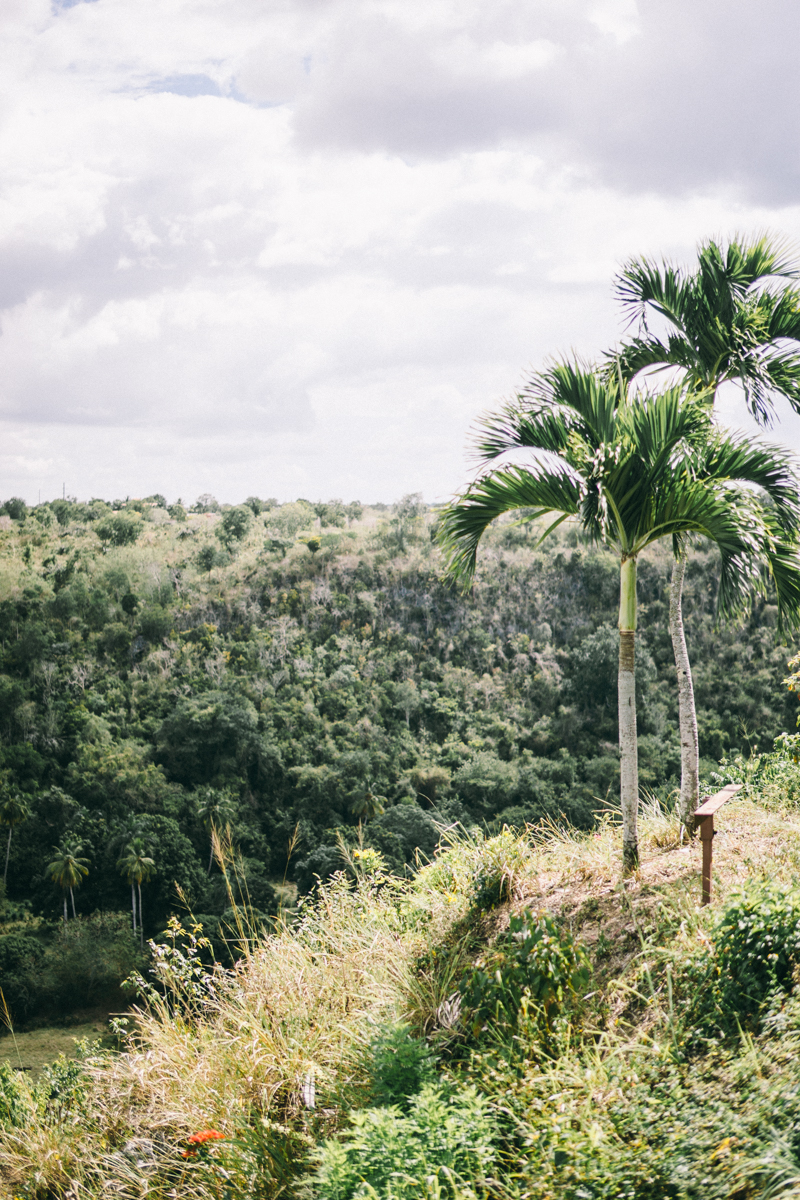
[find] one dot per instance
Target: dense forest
(301, 676)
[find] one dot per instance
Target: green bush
(212, 556)
(755, 947)
(401, 1065)
(15, 1100)
(118, 530)
(21, 958)
(235, 525)
(443, 1147)
(528, 974)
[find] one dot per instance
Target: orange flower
(197, 1140)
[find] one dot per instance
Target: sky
(294, 247)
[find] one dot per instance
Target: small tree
(68, 869)
(235, 525)
(118, 530)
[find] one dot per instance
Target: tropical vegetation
(735, 318)
(634, 468)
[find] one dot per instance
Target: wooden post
(704, 815)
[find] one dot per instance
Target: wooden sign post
(704, 815)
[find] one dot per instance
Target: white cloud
(295, 248)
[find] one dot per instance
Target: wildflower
(198, 1140)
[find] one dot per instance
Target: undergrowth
(512, 1022)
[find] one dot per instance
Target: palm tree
(215, 809)
(13, 811)
(633, 469)
(367, 805)
(68, 869)
(731, 319)
(134, 826)
(135, 864)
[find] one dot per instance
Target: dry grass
(220, 1050)
(305, 1002)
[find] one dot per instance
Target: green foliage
(131, 681)
(399, 1065)
(528, 974)
(82, 963)
(118, 530)
(235, 525)
(211, 556)
(16, 1106)
(442, 1147)
(15, 508)
(755, 949)
(61, 1090)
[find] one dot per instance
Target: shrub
(16, 1108)
(529, 974)
(155, 623)
(443, 1147)
(501, 865)
(755, 948)
(401, 1065)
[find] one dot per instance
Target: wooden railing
(704, 816)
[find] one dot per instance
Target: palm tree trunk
(72, 898)
(8, 851)
(626, 690)
(65, 908)
(141, 921)
(133, 906)
(687, 717)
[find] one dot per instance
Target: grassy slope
(620, 1112)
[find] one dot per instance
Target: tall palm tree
(736, 317)
(633, 469)
(13, 811)
(68, 869)
(136, 865)
(134, 826)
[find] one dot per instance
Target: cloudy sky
(293, 247)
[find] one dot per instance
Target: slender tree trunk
(141, 919)
(72, 898)
(65, 908)
(628, 746)
(210, 857)
(133, 906)
(687, 716)
(8, 851)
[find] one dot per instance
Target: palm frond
(641, 282)
(541, 489)
(730, 459)
(539, 425)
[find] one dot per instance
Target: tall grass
(275, 1053)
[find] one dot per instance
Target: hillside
(510, 1023)
(290, 672)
